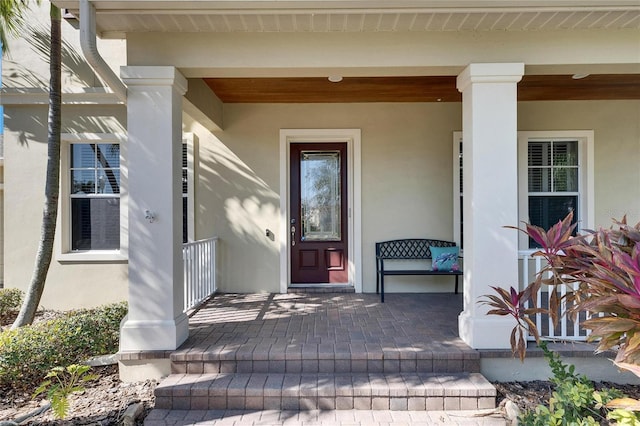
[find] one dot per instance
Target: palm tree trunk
(52, 185)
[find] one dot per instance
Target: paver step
(491, 417)
(275, 391)
(314, 358)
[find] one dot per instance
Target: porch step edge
(259, 391)
(314, 359)
(162, 417)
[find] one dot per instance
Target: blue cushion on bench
(445, 258)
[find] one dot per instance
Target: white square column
(490, 179)
(154, 161)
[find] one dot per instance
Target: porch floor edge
(566, 349)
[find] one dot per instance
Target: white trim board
(40, 96)
(354, 187)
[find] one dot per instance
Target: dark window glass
(95, 202)
(185, 194)
(546, 211)
(96, 224)
(185, 226)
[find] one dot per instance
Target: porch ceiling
(416, 89)
(116, 18)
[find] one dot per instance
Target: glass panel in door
(320, 196)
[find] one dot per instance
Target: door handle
(293, 235)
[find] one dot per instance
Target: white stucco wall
(406, 154)
(406, 148)
(245, 54)
(406, 175)
(616, 125)
(27, 65)
(69, 285)
(26, 70)
(406, 183)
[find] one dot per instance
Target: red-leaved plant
(604, 268)
(512, 303)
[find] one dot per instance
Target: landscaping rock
(512, 412)
(101, 361)
(131, 414)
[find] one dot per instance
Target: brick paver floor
(330, 323)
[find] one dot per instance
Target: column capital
(490, 73)
(154, 76)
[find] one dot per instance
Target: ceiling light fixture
(580, 76)
(335, 78)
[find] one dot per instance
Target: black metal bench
(407, 249)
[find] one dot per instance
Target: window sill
(92, 256)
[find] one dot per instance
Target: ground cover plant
(29, 353)
(601, 270)
(10, 301)
(574, 399)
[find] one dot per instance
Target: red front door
(318, 224)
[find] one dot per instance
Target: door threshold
(321, 288)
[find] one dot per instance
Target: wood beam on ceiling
(416, 89)
(592, 87)
(321, 90)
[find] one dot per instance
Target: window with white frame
(555, 176)
(189, 150)
(185, 194)
(93, 199)
(553, 183)
(94, 196)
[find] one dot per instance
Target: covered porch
(155, 266)
(399, 152)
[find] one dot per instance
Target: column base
(485, 332)
(153, 335)
(144, 369)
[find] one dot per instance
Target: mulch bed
(103, 402)
(528, 395)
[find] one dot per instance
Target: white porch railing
(566, 329)
(200, 269)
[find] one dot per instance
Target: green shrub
(574, 400)
(10, 301)
(29, 353)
